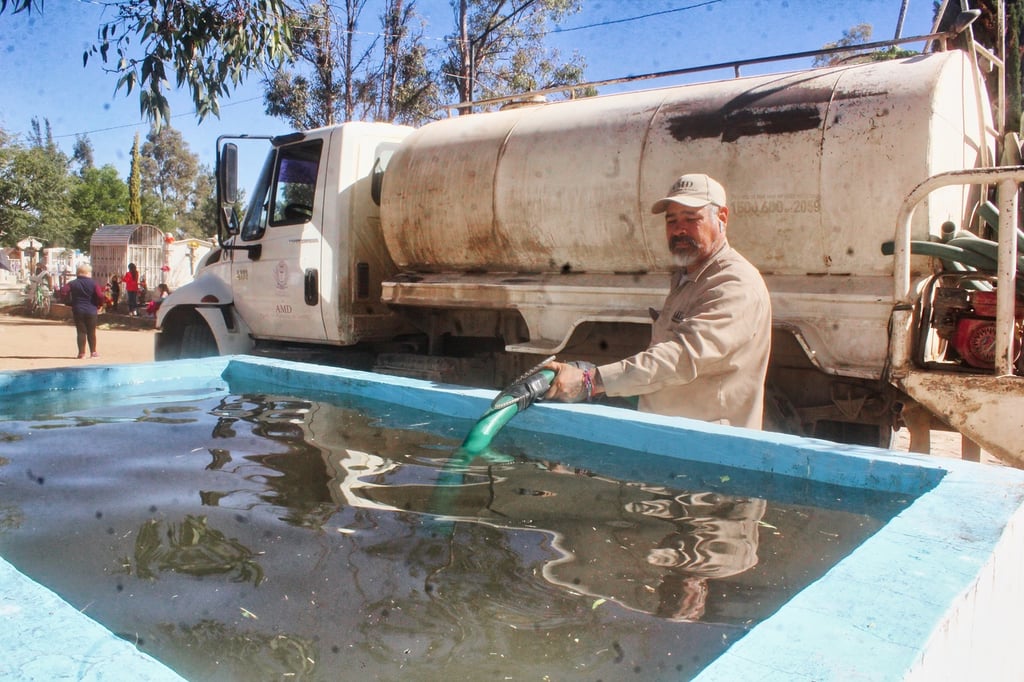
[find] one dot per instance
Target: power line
(610, 22)
(143, 122)
(539, 34)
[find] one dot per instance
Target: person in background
(86, 299)
(108, 301)
(115, 291)
(162, 292)
(42, 276)
(131, 287)
(709, 348)
(40, 285)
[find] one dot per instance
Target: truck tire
(197, 341)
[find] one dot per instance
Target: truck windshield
(286, 190)
(256, 213)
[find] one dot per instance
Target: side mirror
(227, 174)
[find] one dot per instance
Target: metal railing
(1007, 180)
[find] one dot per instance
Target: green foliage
(175, 194)
(499, 49)
(892, 52)
(135, 186)
(34, 189)
(158, 213)
(411, 95)
(83, 152)
(201, 220)
(853, 36)
(169, 170)
(1014, 77)
(41, 197)
(321, 44)
(21, 5)
(205, 46)
(333, 77)
(401, 86)
(287, 96)
(100, 197)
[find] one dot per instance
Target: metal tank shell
(815, 164)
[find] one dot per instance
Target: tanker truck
(469, 249)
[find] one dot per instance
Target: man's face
(694, 233)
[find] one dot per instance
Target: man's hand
(573, 383)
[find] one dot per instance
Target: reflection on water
(194, 548)
(252, 536)
(647, 548)
(264, 657)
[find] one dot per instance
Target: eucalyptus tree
(309, 91)
(169, 172)
(83, 153)
(403, 88)
(204, 46)
(498, 49)
(347, 66)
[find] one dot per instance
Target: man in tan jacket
(709, 345)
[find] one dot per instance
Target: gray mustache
(676, 241)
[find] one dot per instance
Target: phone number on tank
(775, 203)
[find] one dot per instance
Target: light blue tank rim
(45, 638)
(895, 608)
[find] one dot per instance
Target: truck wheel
(197, 341)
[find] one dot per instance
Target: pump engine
(966, 320)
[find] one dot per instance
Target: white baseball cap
(695, 190)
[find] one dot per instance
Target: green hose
(990, 213)
(488, 426)
(963, 248)
(477, 444)
(944, 252)
(983, 247)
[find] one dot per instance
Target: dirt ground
(32, 343)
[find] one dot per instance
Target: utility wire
(611, 22)
(143, 122)
(539, 34)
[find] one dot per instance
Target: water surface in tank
(235, 534)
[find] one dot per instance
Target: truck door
(277, 287)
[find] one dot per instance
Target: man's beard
(684, 258)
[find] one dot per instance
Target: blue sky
(41, 72)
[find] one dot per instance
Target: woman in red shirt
(131, 286)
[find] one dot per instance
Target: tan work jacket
(709, 347)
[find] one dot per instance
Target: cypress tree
(135, 186)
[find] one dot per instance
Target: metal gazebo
(113, 247)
